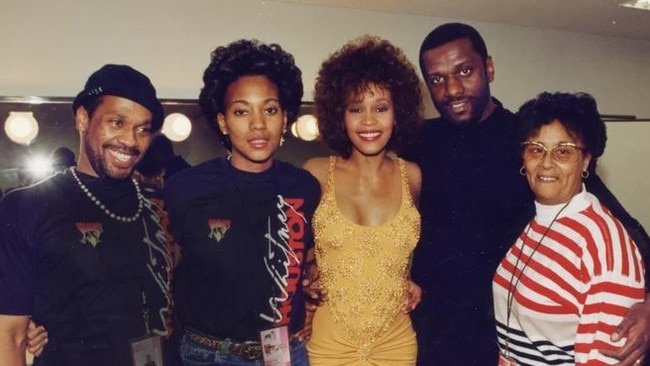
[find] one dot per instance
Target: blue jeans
(194, 354)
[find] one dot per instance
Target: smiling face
(458, 80)
(254, 121)
(369, 120)
(554, 182)
(114, 138)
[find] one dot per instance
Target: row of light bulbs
(22, 127)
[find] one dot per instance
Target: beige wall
(48, 48)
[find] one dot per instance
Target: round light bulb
(294, 130)
(177, 127)
(307, 127)
(39, 166)
(21, 127)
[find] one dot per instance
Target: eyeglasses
(561, 153)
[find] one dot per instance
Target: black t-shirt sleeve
(314, 199)
(172, 209)
(17, 257)
(175, 192)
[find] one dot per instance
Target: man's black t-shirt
(81, 274)
(243, 239)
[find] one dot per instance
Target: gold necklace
(103, 207)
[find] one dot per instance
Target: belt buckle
(251, 351)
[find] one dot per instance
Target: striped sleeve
(612, 270)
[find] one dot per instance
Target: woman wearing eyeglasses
(574, 271)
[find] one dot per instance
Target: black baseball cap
(126, 82)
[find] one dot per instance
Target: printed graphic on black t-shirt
(244, 237)
(284, 257)
(90, 232)
(80, 273)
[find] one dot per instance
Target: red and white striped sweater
(575, 288)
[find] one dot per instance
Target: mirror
(56, 129)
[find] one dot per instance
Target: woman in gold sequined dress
(366, 226)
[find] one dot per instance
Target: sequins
(364, 269)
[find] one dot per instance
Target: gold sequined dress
(365, 271)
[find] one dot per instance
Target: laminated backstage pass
(275, 346)
(147, 351)
(506, 361)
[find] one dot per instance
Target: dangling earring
(284, 131)
(522, 171)
(585, 174)
(227, 143)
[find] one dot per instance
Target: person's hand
(636, 327)
(36, 338)
(305, 333)
(413, 297)
(314, 293)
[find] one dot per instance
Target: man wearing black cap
(83, 253)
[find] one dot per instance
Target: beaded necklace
(103, 207)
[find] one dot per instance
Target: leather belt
(249, 350)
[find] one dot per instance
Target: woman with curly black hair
(244, 223)
(574, 270)
(368, 103)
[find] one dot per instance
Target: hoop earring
(522, 171)
(585, 174)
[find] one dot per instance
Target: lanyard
(145, 314)
(513, 282)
